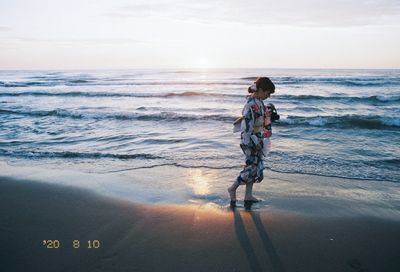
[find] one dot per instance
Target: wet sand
(142, 237)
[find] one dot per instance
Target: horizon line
(188, 68)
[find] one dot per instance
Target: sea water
(342, 123)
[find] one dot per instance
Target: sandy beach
(119, 139)
(168, 237)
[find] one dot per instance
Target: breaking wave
(346, 121)
(75, 155)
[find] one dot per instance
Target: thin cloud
(72, 41)
(314, 13)
(5, 28)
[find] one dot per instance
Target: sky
(121, 34)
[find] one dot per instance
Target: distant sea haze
(343, 123)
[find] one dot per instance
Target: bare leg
(249, 192)
(232, 190)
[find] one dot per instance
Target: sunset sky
(119, 34)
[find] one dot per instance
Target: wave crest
(122, 94)
(346, 121)
(160, 116)
(75, 155)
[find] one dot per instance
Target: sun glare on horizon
(202, 63)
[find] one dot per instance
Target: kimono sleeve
(247, 126)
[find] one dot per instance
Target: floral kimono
(255, 133)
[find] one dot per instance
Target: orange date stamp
(75, 244)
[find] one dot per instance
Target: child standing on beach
(255, 131)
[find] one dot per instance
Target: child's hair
(264, 83)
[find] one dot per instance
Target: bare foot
(252, 199)
(232, 193)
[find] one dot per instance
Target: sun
(202, 63)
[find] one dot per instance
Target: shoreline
(301, 194)
(142, 237)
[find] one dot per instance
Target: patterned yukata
(255, 126)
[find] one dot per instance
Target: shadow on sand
(243, 238)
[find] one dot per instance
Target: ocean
(334, 123)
